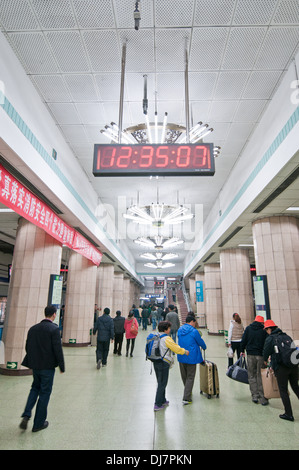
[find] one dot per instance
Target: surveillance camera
(137, 19)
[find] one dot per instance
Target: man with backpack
(284, 362)
(158, 350)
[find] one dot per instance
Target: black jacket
(105, 328)
(253, 339)
(269, 348)
(43, 347)
(119, 324)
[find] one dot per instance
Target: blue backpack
(152, 347)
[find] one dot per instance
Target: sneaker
(187, 402)
(166, 403)
(24, 423)
(158, 408)
(99, 363)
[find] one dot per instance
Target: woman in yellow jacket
(162, 366)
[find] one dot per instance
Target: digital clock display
(147, 159)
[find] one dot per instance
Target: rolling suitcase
(208, 377)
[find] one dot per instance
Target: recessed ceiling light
(293, 208)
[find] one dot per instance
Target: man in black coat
(43, 354)
(105, 328)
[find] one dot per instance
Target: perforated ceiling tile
(242, 47)
(287, 12)
(254, 12)
(222, 111)
(230, 85)
(213, 12)
(176, 13)
(81, 87)
(260, 84)
(139, 50)
(108, 85)
(54, 14)
(64, 113)
(279, 45)
(74, 133)
(33, 52)
(94, 14)
(249, 110)
(68, 50)
(103, 50)
(170, 86)
(201, 85)
(90, 113)
(171, 46)
(17, 15)
(51, 87)
(207, 48)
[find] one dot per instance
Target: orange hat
(269, 323)
(259, 318)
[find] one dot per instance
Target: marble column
(127, 304)
(118, 293)
(213, 302)
(236, 286)
(105, 285)
(80, 300)
(200, 306)
(36, 256)
(276, 244)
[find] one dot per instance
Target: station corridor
(112, 409)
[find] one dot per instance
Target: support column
(118, 293)
(192, 294)
(127, 298)
(104, 297)
(236, 286)
(276, 242)
(79, 304)
(36, 256)
(213, 294)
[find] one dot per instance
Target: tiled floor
(112, 409)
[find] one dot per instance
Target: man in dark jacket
(105, 328)
(119, 330)
(283, 373)
(43, 354)
(253, 340)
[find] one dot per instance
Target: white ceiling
(238, 53)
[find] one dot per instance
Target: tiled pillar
(36, 256)
(276, 244)
(236, 286)
(79, 303)
(104, 296)
(118, 292)
(213, 302)
(127, 304)
(192, 294)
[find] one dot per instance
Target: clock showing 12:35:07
(155, 160)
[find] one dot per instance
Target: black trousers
(118, 341)
(285, 375)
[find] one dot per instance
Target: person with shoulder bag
(131, 329)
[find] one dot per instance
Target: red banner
(18, 198)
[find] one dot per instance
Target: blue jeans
(41, 389)
(162, 373)
(173, 334)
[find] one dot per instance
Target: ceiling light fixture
(158, 215)
(159, 265)
(159, 242)
(159, 256)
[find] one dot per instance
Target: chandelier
(159, 256)
(158, 215)
(158, 242)
(159, 265)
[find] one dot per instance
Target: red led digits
(162, 160)
(157, 159)
(124, 157)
